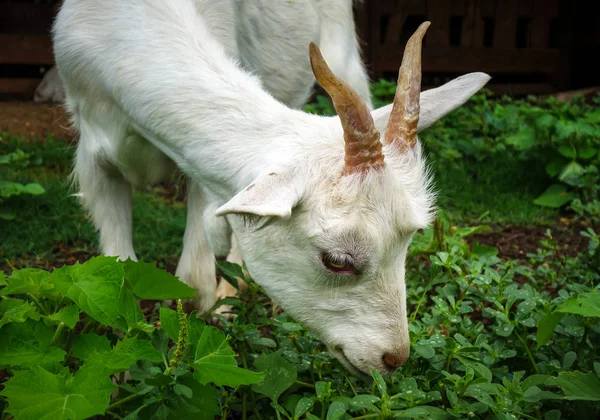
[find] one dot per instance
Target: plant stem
(305, 384)
(244, 397)
(38, 303)
(256, 414)
(57, 333)
(122, 401)
(367, 416)
(535, 367)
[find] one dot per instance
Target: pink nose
(395, 359)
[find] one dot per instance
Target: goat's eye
(339, 263)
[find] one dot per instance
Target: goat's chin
(339, 354)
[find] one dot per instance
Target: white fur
(158, 85)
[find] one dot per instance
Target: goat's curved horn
(402, 125)
(363, 147)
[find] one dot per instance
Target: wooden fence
(514, 40)
(522, 43)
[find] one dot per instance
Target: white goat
(322, 220)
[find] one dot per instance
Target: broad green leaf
(424, 350)
(586, 304)
(546, 327)
(586, 152)
(577, 385)
(568, 151)
(422, 412)
(41, 395)
(555, 196)
(336, 410)
(380, 382)
(196, 327)
(33, 189)
(303, 406)
(323, 389)
(523, 140)
(535, 394)
(28, 344)
(231, 272)
(169, 321)
(215, 362)
(95, 287)
(149, 282)
(29, 280)
(2, 279)
(8, 188)
(202, 405)
(555, 167)
(17, 310)
(279, 375)
(124, 354)
(364, 401)
(570, 172)
(479, 368)
(69, 315)
(86, 346)
(129, 310)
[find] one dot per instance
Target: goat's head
(328, 238)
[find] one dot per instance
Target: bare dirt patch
(34, 121)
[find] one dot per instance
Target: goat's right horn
(363, 147)
(404, 118)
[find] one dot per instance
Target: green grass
(53, 223)
(499, 193)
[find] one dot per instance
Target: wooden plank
(394, 28)
(438, 12)
(459, 59)
(457, 8)
(525, 8)
(26, 49)
(20, 86)
(488, 8)
(505, 32)
(543, 11)
(472, 27)
(26, 18)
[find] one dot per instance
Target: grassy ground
(53, 228)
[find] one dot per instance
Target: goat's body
(152, 86)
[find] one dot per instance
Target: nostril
(393, 361)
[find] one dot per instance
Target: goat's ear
(273, 193)
(436, 103)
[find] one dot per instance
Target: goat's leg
(105, 194)
(197, 263)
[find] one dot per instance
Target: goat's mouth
(338, 352)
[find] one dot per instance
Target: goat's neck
(223, 133)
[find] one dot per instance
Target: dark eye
(339, 263)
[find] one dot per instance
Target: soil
(34, 121)
(515, 242)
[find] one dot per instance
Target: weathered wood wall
(526, 45)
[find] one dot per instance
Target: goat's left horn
(362, 145)
(404, 118)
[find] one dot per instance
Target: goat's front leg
(105, 194)
(197, 263)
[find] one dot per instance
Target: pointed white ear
(271, 194)
(436, 103)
